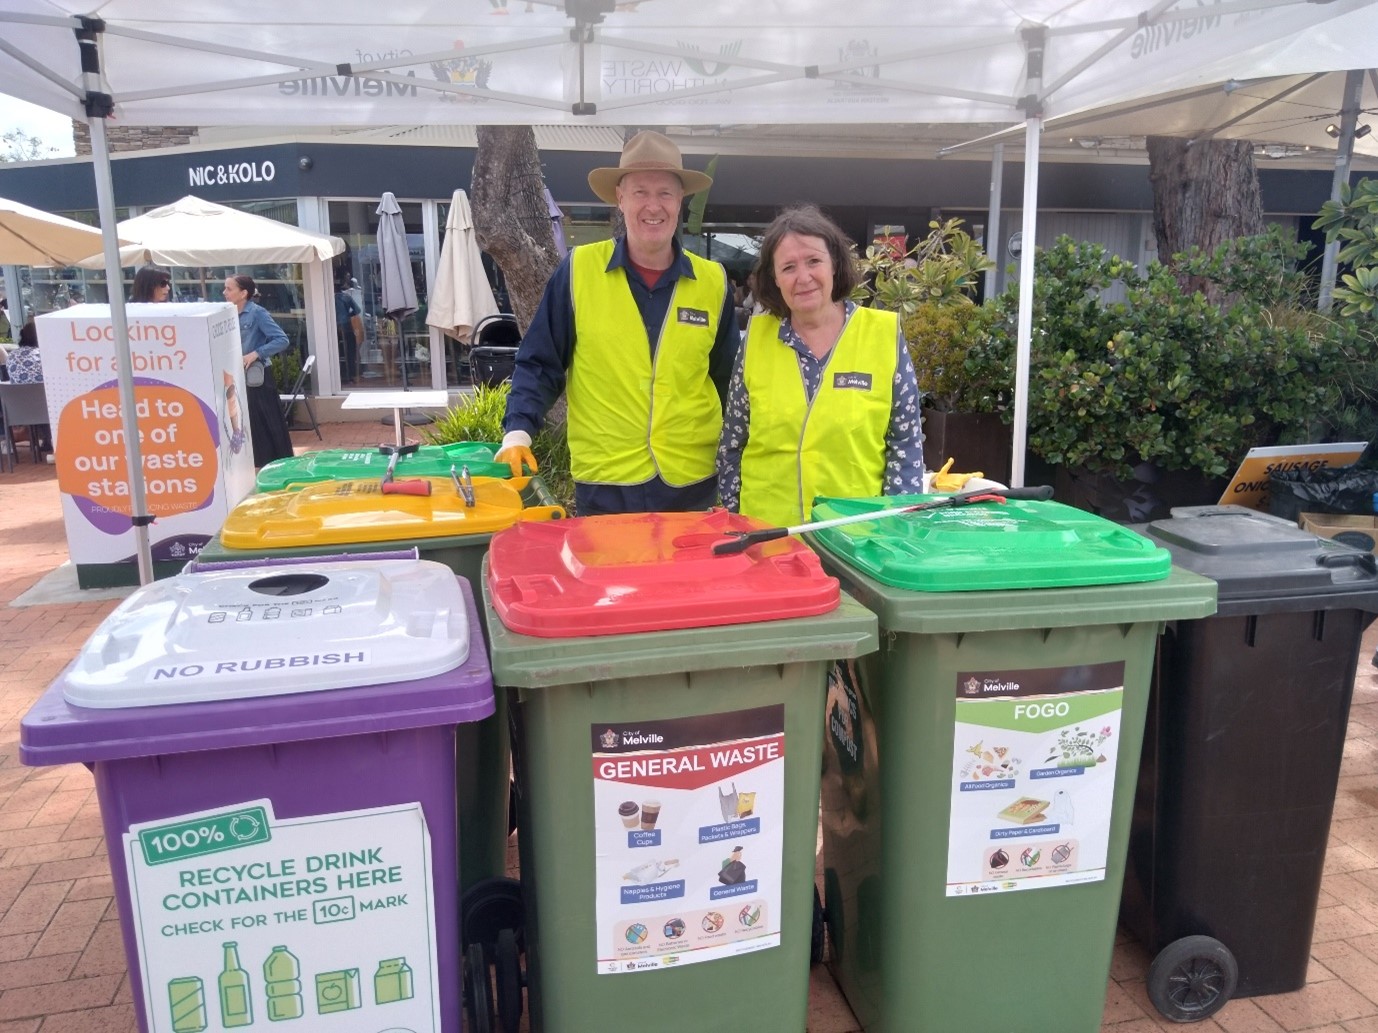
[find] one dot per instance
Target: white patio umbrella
(461, 295)
(195, 232)
(30, 236)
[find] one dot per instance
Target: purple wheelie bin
(274, 756)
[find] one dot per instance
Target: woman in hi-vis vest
(823, 400)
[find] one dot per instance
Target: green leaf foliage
(1171, 377)
(1353, 220)
(478, 417)
(931, 288)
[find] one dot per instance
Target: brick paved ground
(62, 968)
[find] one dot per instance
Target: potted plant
(931, 287)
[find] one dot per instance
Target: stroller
(494, 352)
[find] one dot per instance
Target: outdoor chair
(24, 405)
(298, 394)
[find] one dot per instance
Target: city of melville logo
(462, 70)
(973, 686)
(859, 52)
(608, 740)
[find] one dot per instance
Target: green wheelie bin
(347, 464)
(667, 708)
(979, 769)
(339, 517)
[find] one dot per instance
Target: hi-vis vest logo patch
(692, 316)
(853, 381)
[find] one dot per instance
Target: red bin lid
(633, 572)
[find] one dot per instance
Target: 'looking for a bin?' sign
(188, 389)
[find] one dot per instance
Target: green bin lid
(352, 464)
(988, 546)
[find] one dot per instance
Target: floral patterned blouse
(903, 438)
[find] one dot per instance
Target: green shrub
(1353, 220)
(1171, 377)
(286, 367)
(479, 418)
(931, 289)
(941, 339)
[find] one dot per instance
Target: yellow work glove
(944, 481)
(515, 451)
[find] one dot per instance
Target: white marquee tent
(650, 62)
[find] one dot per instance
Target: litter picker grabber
(743, 540)
(415, 486)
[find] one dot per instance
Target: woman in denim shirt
(260, 339)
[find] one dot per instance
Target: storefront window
(393, 353)
(279, 286)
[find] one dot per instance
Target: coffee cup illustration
(650, 811)
(630, 814)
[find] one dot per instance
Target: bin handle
(540, 491)
(1365, 561)
(200, 566)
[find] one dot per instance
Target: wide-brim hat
(647, 151)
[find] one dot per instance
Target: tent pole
(1035, 38)
(1033, 129)
(1344, 153)
(994, 279)
(98, 107)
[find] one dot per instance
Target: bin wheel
(478, 990)
(489, 906)
(507, 961)
(1192, 978)
(816, 938)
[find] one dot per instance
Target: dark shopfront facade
(333, 187)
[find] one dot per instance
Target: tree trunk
(1203, 195)
(510, 215)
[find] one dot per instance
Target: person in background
(642, 334)
(25, 366)
(345, 311)
(152, 284)
(823, 400)
(260, 338)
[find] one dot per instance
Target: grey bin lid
(1264, 564)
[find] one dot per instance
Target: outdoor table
(396, 401)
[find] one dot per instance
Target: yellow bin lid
(350, 512)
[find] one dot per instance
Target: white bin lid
(272, 630)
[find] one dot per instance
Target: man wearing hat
(641, 335)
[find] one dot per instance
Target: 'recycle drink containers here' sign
(193, 430)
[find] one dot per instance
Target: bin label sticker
(689, 838)
(243, 919)
(1033, 777)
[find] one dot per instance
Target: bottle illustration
(186, 998)
(236, 1006)
(281, 974)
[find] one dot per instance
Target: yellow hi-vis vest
(835, 445)
(631, 418)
